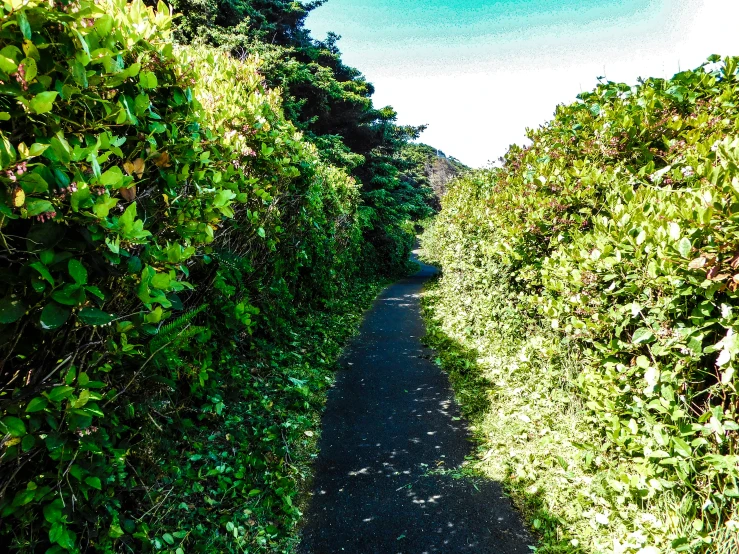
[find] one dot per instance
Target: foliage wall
(330, 102)
(617, 228)
(165, 234)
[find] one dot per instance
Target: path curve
(390, 425)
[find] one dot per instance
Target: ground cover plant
(598, 271)
(179, 269)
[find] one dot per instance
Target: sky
(480, 72)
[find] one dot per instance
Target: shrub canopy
(618, 224)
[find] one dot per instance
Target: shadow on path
(392, 436)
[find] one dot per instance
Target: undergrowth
(532, 434)
(238, 473)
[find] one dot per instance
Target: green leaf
(37, 206)
(58, 394)
(47, 256)
(93, 316)
(71, 375)
(70, 295)
(56, 532)
(641, 335)
(115, 531)
(129, 526)
(37, 404)
(160, 281)
(103, 205)
(29, 66)
(43, 271)
(8, 155)
(83, 399)
(169, 539)
(684, 247)
(112, 177)
(61, 148)
(29, 48)
(141, 103)
(53, 511)
(134, 265)
(23, 24)
(7, 65)
(33, 183)
(148, 80)
(14, 426)
(223, 198)
(94, 482)
(95, 291)
(129, 227)
(28, 442)
(54, 316)
(79, 74)
(104, 25)
(682, 447)
(11, 310)
(114, 245)
(67, 540)
(24, 497)
(77, 271)
(44, 101)
(642, 362)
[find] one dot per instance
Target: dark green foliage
(331, 102)
(179, 267)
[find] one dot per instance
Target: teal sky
(480, 72)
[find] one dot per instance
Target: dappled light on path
(390, 476)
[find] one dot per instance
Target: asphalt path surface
(392, 442)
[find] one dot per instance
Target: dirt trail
(392, 439)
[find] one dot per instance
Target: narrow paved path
(390, 425)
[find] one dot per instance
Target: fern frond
(168, 332)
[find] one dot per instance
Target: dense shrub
(331, 103)
(165, 235)
(617, 226)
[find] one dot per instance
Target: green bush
(331, 103)
(162, 227)
(617, 226)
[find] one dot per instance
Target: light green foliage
(611, 242)
(179, 268)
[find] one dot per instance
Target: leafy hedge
(163, 229)
(618, 226)
(331, 103)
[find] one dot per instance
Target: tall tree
(328, 100)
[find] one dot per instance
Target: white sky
(479, 95)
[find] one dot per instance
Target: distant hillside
(429, 166)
